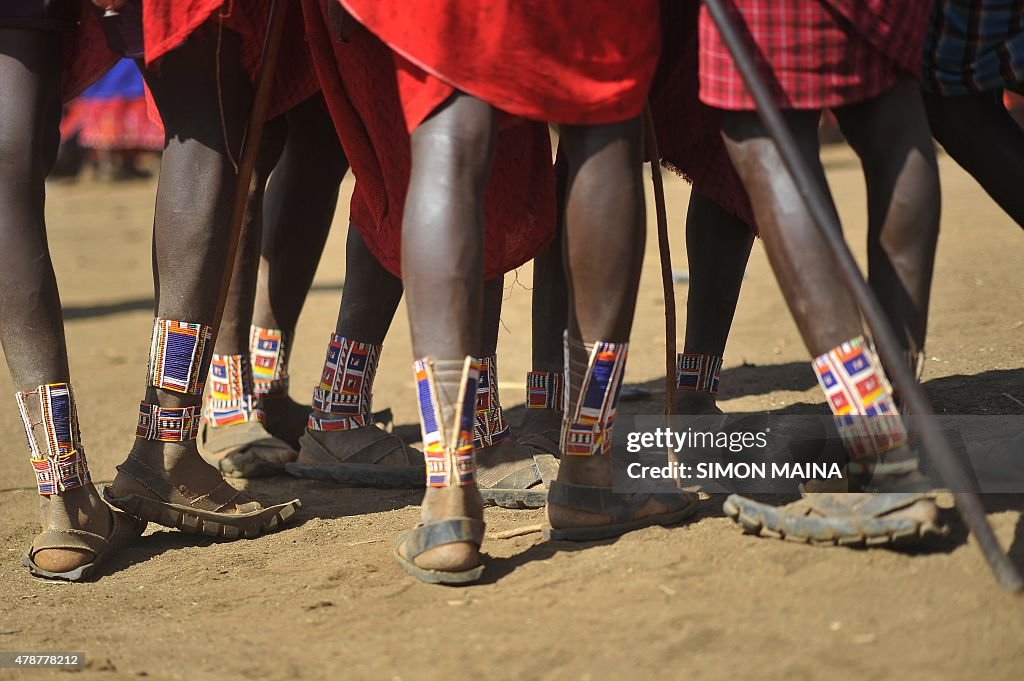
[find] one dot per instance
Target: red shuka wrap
(168, 23)
(689, 132)
(821, 53)
(358, 82)
(580, 62)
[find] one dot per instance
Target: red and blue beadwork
(859, 394)
(60, 465)
(344, 396)
(179, 356)
(544, 390)
(587, 429)
(449, 454)
(698, 372)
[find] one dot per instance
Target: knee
(24, 159)
(457, 143)
(582, 142)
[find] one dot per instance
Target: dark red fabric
(688, 131)
(167, 23)
(572, 61)
(86, 55)
(359, 84)
(819, 53)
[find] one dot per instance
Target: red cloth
(688, 131)
(87, 55)
(359, 85)
(820, 53)
(167, 23)
(573, 61)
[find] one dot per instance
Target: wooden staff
(820, 209)
(667, 285)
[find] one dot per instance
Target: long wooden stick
(251, 145)
(819, 207)
(667, 284)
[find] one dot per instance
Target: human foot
(168, 483)
(284, 418)
(78, 532)
(696, 403)
(583, 506)
(445, 546)
(244, 450)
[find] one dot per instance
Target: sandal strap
(70, 539)
(603, 500)
(365, 454)
(219, 497)
(441, 532)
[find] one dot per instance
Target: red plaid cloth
(819, 53)
(689, 138)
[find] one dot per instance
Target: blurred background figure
(111, 128)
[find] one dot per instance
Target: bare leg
(604, 213)
(824, 310)
(550, 310)
(31, 320)
(298, 209)
(442, 268)
(890, 134)
(234, 437)
(341, 426)
(190, 230)
(983, 137)
(717, 249)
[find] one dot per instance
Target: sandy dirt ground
(323, 599)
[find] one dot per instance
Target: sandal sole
(194, 521)
(516, 499)
(898, 537)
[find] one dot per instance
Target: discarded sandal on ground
(244, 450)
(621, 507)
(123, 529)
(421, 538)
(379, 459)
(841, 519)
(173, 507)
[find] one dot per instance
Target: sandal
(621, 507)
(421, 538)
(244, 450)
(201, 513)
(363, 467)
(840, 519)
(521, 480)
(123, 529)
